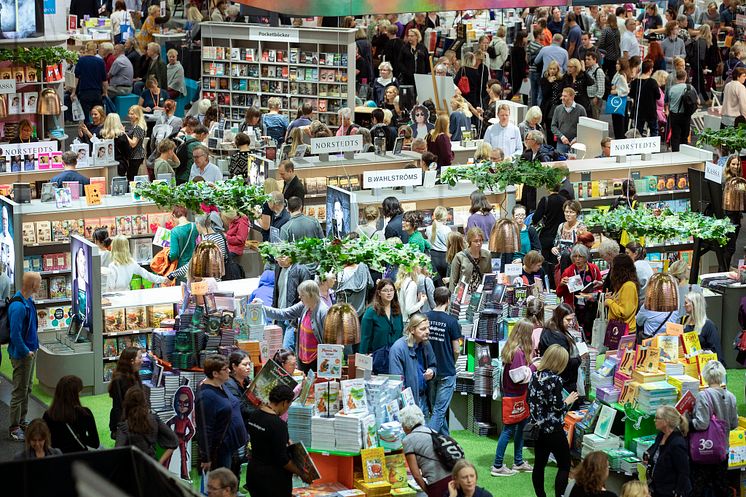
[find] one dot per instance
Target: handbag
(709, 446)
(615, 330)
(616, 105)
(77, 111)
(531, 434)
(463, 84)
(598, 332)
(162, 266)
(515, 409)
(84, 446)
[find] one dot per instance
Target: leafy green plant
(731, 139)
(233, 194)
(664, 225)
(334, 255)
(36, 56)
(489, 176)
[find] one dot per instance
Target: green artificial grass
(479, 450)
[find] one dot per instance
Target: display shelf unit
(107, 170)
(244, 65)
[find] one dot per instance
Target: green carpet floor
(480, 450)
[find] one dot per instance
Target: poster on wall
(18, 18)
(341, 214)
(7, 249)
(82, 276)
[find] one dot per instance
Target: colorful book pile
(163, 342)
(616, 456)
(651, 396)
(390, 436)
(684, 384)
(641, 444)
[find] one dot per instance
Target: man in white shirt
(503, 134)
(202, 166)
(629, 45)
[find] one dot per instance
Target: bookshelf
(245, 65)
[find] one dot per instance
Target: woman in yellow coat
(622, 302)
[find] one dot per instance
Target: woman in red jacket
(237, 231)
(579, 287)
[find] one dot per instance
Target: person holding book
(517, 371)
(270, 470)
(548, 409)
(579, 287)
(532, 272)
(668, 457)
(472, 263)
(622, 302)
(123, 267)
(70, 161)
(464, 482)
(240, 376)
(713, 401)
(696, 320)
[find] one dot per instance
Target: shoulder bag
(476, 273)
(82, 445)
(598, 332)
(463, 83)
(162, 266)
(709, 446)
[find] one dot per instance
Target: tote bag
(515, 409)
(598, 333)
(463, 84)
(709, 446)
(616, 105)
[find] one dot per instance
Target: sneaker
(17, 434)
(23, 424)
(502, 471)
(522, 467)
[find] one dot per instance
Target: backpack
(4, 321)
(182, 152)
(447, 449)
(689, 101)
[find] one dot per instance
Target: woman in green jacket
(183, 237)
(411, 221)
(382, 325)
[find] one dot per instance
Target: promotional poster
(82, 276)
(7, 249)
(339, 219)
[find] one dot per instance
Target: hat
(629, 7)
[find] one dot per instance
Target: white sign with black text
(7, 86)
(32, 148)
(392, 178)
(274, 34)
(713, 172)
(636, 146)
(336, 144)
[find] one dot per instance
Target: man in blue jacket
(24, 342)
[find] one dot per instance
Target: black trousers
(709, 479)
(133, 166)
(554, 443)
(680, 126)
(439, 264)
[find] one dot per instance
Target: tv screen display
(341, 212)
(21, 18)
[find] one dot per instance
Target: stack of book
(489, 326)
(158, 400)
(299, 423)
(322, 433)
(641, 444)
(684, 383)
(254, 318)
(483, 380)
(628, 465)
(651, 396)
(348, 431)
(163, 343)
(273, 340)
(390, 435)
(593, 442)
(171, 382)
(616, 456)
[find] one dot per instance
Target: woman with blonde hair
(483, 152)
(552, 83)
(439, 141)
(635, 488)
(438, 238)
(548, 410)
(412, 358)
(455, 243)
(370, 228)
(579, 80)
(517, 371)
(113, 130)
(410, 302)
(696, 320)
(149, 27)
(123, 267)
(620, 87)
(532, 122)
(460, 118)
(668, 457)
(135, 137)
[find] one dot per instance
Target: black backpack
(689, 101)
(448, 450)
(4, 318)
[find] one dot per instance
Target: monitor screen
(21, 18)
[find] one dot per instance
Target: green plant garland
(35, 56)
(232, 194)
(666, 225)
(731, 139)
(489, 176)
(334, 255)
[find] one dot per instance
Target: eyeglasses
(211, 488)
(519, 215)
(387, 290)
(419, 114)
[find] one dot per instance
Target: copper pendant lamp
(662, 294)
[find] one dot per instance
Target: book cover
(42, 317)
(354, 399)
(43, 232)
(686, 402)
(63, 198)
(691, 343)
(109, 368)
(55, 160)
(652, 360)
(407, 398)
(100, 182)
(114, 320)
(326, 398)
(669, 347)
(124, 225)
(625, 342)
(396, 466)
(140, 224)
(629, 392)
(108, 224)
(142, 250)
(374, 464)
(305, 390)
(136, 318)
(76, 226)
(157, 313)
(702, 359)
(29, 234)
(89, 226)
(641, 357)
(370, 434)
(14, 103)
(110, 347)
(605, 421)
(271, 375)
(330, 361)
(303, 461)
(627, 362)
(60, 229)
(57, 287)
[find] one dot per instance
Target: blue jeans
(535, 78)
(562, 148)
(440, 391)
(652, 126)
(510, 431)
(288, 339)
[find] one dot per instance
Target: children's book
(354, 399)
(374, 464)
(396, 468)
(605, 421)
(691, 343)
(271, 375)
(330, 361)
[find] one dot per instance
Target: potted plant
(489, 176)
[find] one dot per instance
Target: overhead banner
(335, 8)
